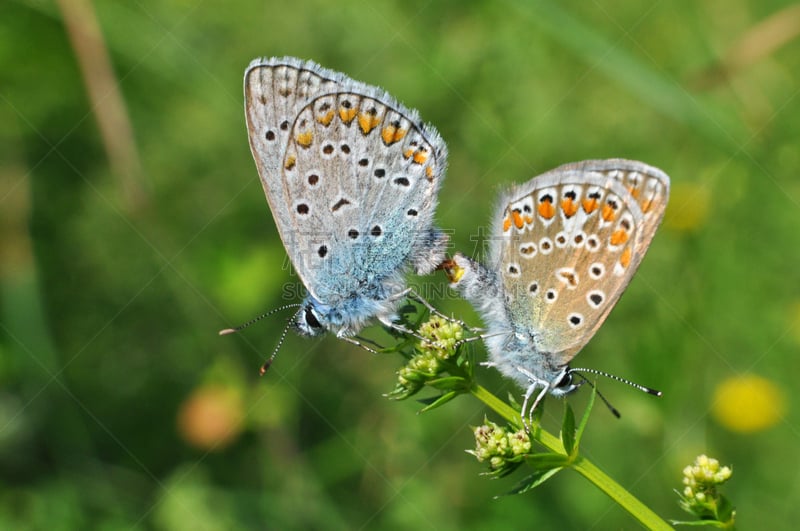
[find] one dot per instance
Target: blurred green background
(134, 228)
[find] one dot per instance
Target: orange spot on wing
(326, 118)
(290, 162)
(569, 207)
(408, 153)
(518, 223)
(608, 212)
(625, 259)
(589, 205)
(305, 139)
(368, 122)
(392, 134)
(634, 191)
(546, 209)
(429, 172)
(506, 224)
(647, 205)
(619, 237)
(347, 115)
(420, 157)
(528, 220)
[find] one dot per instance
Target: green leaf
(448, 383)
(507, 469)
(724, 509)
(584, 419)
(568, 429)
(532, 481)
(438, 401)
(697, 523)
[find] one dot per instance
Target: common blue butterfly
(564, 247)
(352, 178)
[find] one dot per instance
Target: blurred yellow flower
(748, 403)
(689, 205)
(211, 417)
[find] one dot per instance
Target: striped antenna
(613, 410)
(227, 331)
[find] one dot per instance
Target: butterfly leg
(402, 329)
(358, 344)
(527, 419)
(477, 338)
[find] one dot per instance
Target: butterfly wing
(648, 185)
(351, 176)
(571, 241)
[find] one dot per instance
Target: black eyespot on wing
(339, 204)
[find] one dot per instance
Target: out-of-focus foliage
(133, 227)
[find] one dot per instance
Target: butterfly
(563, 248)
(352, 178)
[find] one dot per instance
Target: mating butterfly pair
(352, 179)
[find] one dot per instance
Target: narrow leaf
(568, 429)
(584, 419)
(448, 383)
(532, 481)
(438, 401)
(698, 523)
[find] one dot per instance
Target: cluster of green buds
(442, 336)
(503, 448)
(700, 495)
(432, 356)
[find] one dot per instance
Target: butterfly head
(564, 383)
(309, 320)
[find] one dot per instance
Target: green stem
(580, 464)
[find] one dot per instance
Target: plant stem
(580, 464)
